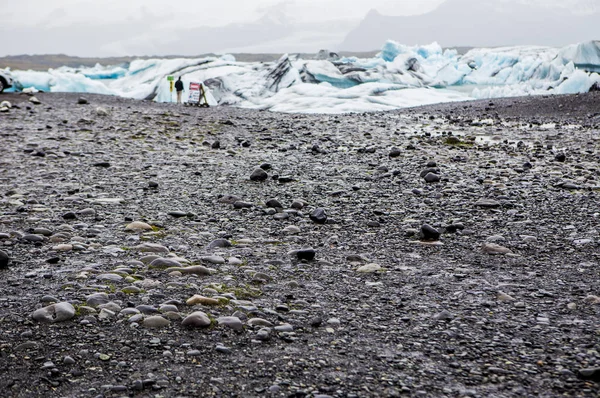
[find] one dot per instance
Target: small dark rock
(70, 216)
(82, 101)
(274, 203)
(259, 175)
(428, 233)
(560, 157)
(4, 259)
(589, 374)
(394, 152)
(452, 228)
(242, 205)
(318, 216)
(430, 177)
(306, 254)
(285, 179)
(177, 214)
(102, 164)
(219, 243)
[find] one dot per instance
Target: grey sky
(210, 13)
(191, 27)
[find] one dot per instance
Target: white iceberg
(400, 76)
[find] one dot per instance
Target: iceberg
(399, 76)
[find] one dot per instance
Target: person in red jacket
(179, 88)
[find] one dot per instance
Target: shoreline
(581, 107)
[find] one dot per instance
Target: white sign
(194, 92)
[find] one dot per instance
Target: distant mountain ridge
(482, 23)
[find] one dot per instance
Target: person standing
(179, 88)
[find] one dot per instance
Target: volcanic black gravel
(156, 250)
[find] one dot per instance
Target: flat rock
(151, 248)
(164, 263)
(194, 269)
(96, 299)
(156, 322)
(198, 299)
(259, 322)
(213, 259)
(232, 322)
(53, 313)
(197, 319)
(138, 226)
(488, 203)
(369, 268)
(493, 248)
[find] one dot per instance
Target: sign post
(197, 94)
(170, 79)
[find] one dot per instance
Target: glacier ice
(399, 76)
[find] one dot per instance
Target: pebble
(589, 374)
(101, 111)
(94, 300)
(259, 322)
(156, 322)
(428, 233)
(219, 243)
(369, 268)
(487, 203)
(198, 299)
(493, 248)
(4, 259)
(151, 248)
(443, 316)
(503, 297)
(431, 177)
(138, 226)
(232, 322)
(274, 203)
(318, 216)
(67, 360)
(177, 213)
(59, 312)
(164, 263)
(234, 261)
(197, 319)
(306, 254)
(394, 152)
(286, 327)
(195, 269)
(62, 248)
(259, 175)
(291, 230)
(213, 259)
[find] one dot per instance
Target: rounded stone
(197, 319)
(429, 233)
(53, 313)
(4, 259)
(259, 175)
(156, 322)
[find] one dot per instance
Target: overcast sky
(197, 12)
(159, 27)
